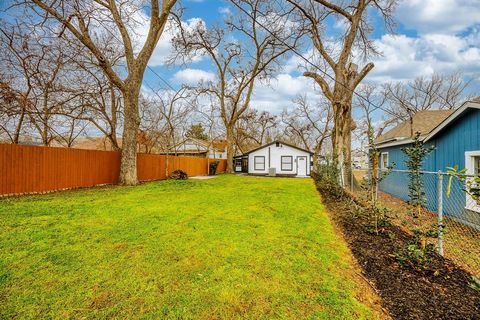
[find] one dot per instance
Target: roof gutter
(393, 143)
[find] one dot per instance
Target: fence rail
(452, 211)
(34, 169)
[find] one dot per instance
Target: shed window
(287, 163)
(259, 162)
(384, 160)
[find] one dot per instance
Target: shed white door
(301, 166)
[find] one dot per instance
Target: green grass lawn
(230, 247)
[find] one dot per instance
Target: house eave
(466, 105)
(401, 141)
(394, 143)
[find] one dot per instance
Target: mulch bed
(441, 292)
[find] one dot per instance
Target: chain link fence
(447, 208)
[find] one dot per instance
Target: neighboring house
(215, 149)
(95, 143)
(359, 159)
(275, 158)
(455, 134)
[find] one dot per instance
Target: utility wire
(307, 60)
(153, 71)
(295, 51)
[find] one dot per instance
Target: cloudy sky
(431, 36)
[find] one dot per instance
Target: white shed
(275, 158)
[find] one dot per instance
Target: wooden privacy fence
(34, 169)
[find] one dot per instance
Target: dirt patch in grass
(441, 292)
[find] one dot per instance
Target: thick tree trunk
(128, 164)
(347, 147)
(316, 152)
(338, 141)
(342, 139)
(230, 137)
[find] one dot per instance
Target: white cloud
(440, 16)
(406, 57)
(192, 76)
(277, 94)
(164, 47)
(225, 11)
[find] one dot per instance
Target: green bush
(326, 178)
(414, 255)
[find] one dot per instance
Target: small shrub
(326, 178)
(415, 156)
(379, 219)
(432, 232)
(475, 283)
(415, 256)
(392, 236)
(179, 175)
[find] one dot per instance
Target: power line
(284, 43)
(307, 60)
(153, 71)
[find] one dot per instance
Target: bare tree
(102, 104)
(338, 58)
(12, 111)
(436, 92)
(238, 64)
(165, 120)
(50, 95)
(175, 107)
(312, 125)
(153, 136)
(36, 64)
(72, 127)
(83, 20)
(374, 99)
(17, 83)
(255, 128)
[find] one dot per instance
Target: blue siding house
(455, 134)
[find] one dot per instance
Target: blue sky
(431, 36)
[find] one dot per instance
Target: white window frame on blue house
(382, 164)
(470, 159)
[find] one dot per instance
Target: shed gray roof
(275, 141)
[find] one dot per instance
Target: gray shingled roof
(423, 122)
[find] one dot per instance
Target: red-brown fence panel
(30, 169)
(34, 169)
(222, 166)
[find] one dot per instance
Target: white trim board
(470, 203)
(381, 160)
